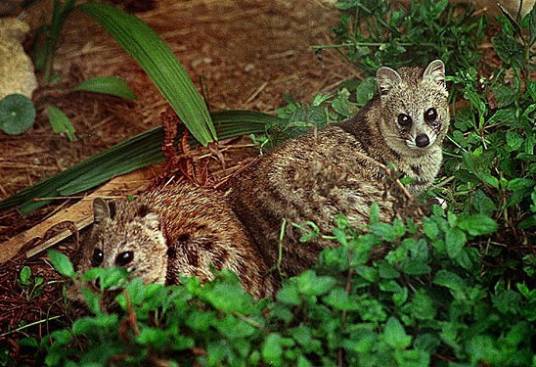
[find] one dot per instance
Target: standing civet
(179, 229)
(336, 170)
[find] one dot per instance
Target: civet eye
(124, 258)
(404, 120)
(430, 115)
(97, 257)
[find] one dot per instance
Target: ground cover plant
(455, 288)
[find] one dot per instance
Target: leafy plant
(32, 285)
(160, 64)
(144, 45)
(379, 33)
(17, 114)
(418, 305)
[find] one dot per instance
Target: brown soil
(242, 54)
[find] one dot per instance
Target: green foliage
(296, 118)
(17, 114)
(374, 33)
(415, 306)
(61, 124)
(111, 85)
(160, 64)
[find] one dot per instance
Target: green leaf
(431, 230)
(365, 91)
(477, 224)
(312, 285)
(339, 299)
(422, 306)
(395, 335)
(289, 295)
(160, 64)
(17, 114)
(530, 22)
(508, 49)
(60, 122)
(513, 140)
(454, 240)
(92, 300)
(518, 184)
(229, 297)
(450, 280)
(505, 116)
(61, 263)
(272, 350)
(25, 275)
(111, 85)
(62, 337)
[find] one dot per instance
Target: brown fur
(332, 171)
(176, 230)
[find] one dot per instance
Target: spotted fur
(324, 173)
(176, 230)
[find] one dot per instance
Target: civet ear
(152, 221)
(435, 72)
(101, 210)
(387, 78)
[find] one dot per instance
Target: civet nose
(422, 140)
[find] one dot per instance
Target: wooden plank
(80, 213)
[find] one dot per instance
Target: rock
(16, 68)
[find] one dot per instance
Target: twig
(30, 325)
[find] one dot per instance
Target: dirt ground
(242, 54)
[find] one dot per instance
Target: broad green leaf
(477, 224)
(17, 114)
(272, 350)
(520, 184)
(454, 240)
(340, 300)
(422, 306)
(25, 275)
(160, 64)
(395, 335)
(365, 91)
(513, 140)
(450, 280)
(60, 122)
(431, 230)
(61, 263)
(311, 284)
(111, 85)
(92, 300)
(289, 294)
(62, 337)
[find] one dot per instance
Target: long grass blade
(137, 152)
(160, 64)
